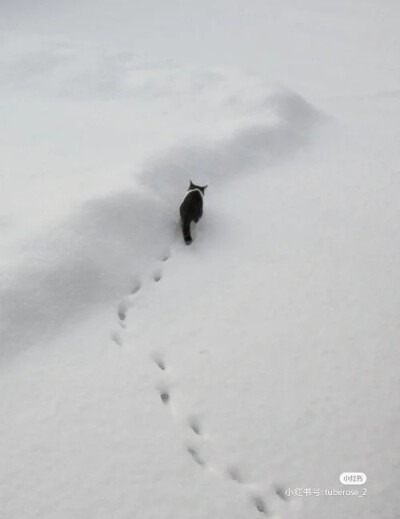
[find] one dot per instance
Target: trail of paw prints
(192, 422)
(126, 303)
(264, 500)
(269, 501)
(122, 313)
(157, 272)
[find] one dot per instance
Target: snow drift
(87, 260)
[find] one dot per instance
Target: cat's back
(192, 199)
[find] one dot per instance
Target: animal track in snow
(157, 275)
(116, 337)
(192, 421)
(136, 287)
(234, 474)
(280, 491)
(194, 424)
(158, 361)
(259, 503)
(194, 453)
(164, 395)
(122, 310)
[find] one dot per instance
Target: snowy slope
(143, 378)
(292, 390)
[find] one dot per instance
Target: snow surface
(143, 378)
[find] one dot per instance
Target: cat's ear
(205, 187)
(191, 184)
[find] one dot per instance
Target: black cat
(191, 209)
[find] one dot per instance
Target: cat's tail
(186, 231)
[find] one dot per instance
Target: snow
(144, 378)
